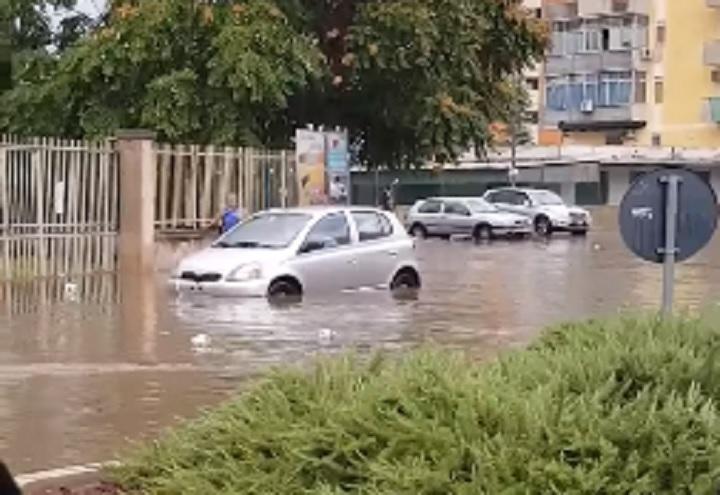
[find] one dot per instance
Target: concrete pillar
(618, 184)
(136, 150)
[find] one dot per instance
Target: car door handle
(393, 253)
(352, 262)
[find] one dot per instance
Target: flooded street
(86, 368)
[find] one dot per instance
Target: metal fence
(59, 199)
(58, 207)
(194, 183)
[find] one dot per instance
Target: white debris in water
(200, 340)
(597, 247)
(326, 334)
(71, 292)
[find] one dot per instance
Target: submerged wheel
(418, 231)
(284, 290)
(405, 279)
(543, 227)
(482, 233)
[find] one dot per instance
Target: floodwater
(89, 367)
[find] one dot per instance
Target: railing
(195, 183)
(58, 207)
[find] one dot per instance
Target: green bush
(601, 407)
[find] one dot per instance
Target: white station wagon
(292, 252)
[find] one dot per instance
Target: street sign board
(667, 216)
(643, 218)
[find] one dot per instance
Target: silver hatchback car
(292, 252)
(448, 216)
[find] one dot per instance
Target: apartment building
(632, 72)
(533, 77)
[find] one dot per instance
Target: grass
(627, 406)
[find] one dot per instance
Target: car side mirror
(317, 245)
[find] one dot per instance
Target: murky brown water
(81, 373)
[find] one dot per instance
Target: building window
(531, 117)
(555, 93)
(619, 6)
(656, 140)
(532, 83)
(661, 33)
(538, 13)
(608, 89)
(640, 87)
(615, 89)
(659, 91)
(557, 41)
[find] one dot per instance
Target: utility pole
(515, 124)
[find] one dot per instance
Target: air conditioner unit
(587, 106)
(715, 76)
(646, 53)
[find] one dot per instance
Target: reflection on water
(84, 367)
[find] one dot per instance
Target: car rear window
(371, 225)
(429, 207)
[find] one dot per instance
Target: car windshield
(546, 198)
(481, 206)
(266, 230)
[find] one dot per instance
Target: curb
(66, 473)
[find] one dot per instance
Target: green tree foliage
(411, 79)
(32, 26)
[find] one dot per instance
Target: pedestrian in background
(386, 199)
(231, 215)
(338, 193)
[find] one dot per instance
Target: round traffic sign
(642, 215)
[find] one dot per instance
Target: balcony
(561, 11)
(593, 8)
(713, 4)
(589, 62)
(600, 114)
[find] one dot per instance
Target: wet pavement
(88, 367)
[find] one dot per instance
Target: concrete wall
(618, 183)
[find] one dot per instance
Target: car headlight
(245, 273)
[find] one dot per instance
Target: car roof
(455, 198)
(318, 210)
(520, 189)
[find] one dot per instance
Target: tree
(411, 79)
(32, 23)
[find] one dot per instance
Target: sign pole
(669, 252)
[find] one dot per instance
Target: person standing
(231, 215)
(386, 199)
(338, 193)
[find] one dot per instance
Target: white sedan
(547, 210)
(293, 252)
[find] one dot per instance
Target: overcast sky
(92, 7)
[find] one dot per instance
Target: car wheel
(284, 290)
(482, 233)
(543, 227)
(418, 231)
(405, 279)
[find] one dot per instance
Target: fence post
(136, 152)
